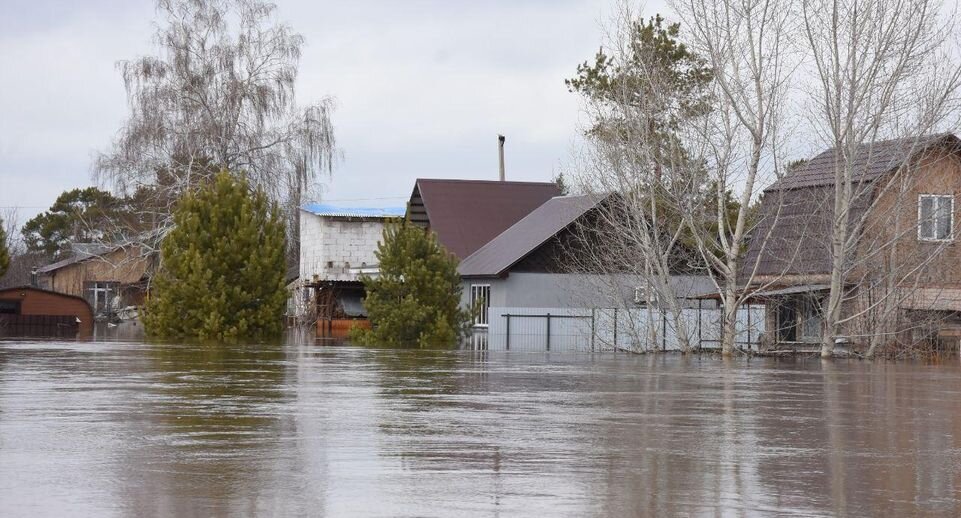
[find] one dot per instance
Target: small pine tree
(4, 251)
(415, 299)
(222, 276)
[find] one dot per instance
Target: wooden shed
(29, 311)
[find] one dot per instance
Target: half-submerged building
(337, 246)
(27, 311)
(111, 278)
(902, 279)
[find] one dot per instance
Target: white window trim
(487, 302)
(934, 239)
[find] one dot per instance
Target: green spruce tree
(222, 276)
(415, 300)
(654, 50)
(4, 251)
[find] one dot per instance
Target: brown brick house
(903, 281)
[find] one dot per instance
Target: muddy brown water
(129, 429)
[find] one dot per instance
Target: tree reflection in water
(218, 428)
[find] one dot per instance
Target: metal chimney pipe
(500, 153)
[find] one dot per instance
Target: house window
(799, 319)
(9, 307)
(935, 217)
(480, 303)
(811, 321)
(102, 296)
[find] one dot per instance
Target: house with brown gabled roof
(529, 266)
(466, 214)
(903, 277)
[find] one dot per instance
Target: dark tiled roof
(466, 214)
(799, 243)
(525, 236)
(871, 160)
(802, 204)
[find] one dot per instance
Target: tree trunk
(832, 315)
(729, 318)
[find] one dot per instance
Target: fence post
(700, 309)
(508, 317)
(663, 330)
(593, 328)
(749, 343)
(615, 329)
(548, 331)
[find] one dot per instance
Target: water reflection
(212, 434)
(131, 429)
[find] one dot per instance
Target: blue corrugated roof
(323, 209)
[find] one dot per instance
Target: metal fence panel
(609, 329)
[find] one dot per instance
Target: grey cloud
(422, 87)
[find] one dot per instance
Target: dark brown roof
(800, 206)
(799, 243)
(466, 214)
(871, 160)
(525, 236)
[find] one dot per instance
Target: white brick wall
(344, 243)
(311, 246)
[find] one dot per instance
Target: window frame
(10, 307)
(934, 223)
(94, 289)
(481, 319)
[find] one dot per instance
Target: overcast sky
(422, 88)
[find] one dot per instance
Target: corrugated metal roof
(323, 209)
(526, 235)
(466, 214)
(82, 252)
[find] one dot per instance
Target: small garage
(33, 312)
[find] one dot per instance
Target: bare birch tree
(881, 70)
(219, 94)
(740, 142)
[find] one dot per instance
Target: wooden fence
(53, 326)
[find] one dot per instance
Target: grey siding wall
(549, 290)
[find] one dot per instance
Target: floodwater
(128, 429)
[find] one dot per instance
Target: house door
(787, 321)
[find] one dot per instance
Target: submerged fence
(635, 329)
